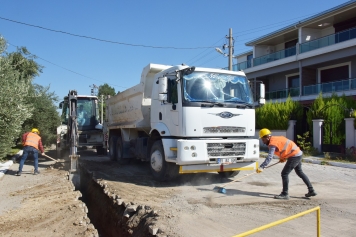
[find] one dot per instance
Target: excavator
(80, 128)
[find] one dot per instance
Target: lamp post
(231, 51)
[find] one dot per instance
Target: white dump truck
(185, 119)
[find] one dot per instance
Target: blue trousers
(26, 151)
(296, 164)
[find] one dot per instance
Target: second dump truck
(185, 119)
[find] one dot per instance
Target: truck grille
(224, 129)
(220, 150)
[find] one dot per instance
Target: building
(317, 54)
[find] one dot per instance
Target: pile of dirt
(47, 206)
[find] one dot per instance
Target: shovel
(221, 189)
(50, 158)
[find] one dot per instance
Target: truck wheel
(120, 152)
(160, 168)
(112, 148)
(228, 174)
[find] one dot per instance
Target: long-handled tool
(50, 157)
(221, 189)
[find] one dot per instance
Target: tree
(44, 116)
(16, 75)
(105, 90)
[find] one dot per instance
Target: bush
(275, 116)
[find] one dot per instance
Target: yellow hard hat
(35, 130)
(264, 132)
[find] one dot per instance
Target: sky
(90, 42)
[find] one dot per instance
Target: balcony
(282, 94)
(328, 40)
(336, 86)
(241, 66)
(274, 56)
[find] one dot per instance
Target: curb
(4, 167)
(319, 161)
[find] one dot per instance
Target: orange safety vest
(286, 148)
(32, 139)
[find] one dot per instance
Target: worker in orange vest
(32, 144)
(288, 151)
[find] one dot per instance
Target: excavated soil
(125, 201)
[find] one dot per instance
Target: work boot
(311, 193)
(282, 196)
(36, 172)
(18, 173)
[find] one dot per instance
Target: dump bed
(131, 108)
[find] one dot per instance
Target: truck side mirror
(60, 105)
(262, 94)
(162, 88)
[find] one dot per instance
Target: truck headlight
(192, 148)
(186, 148)
(194, 154)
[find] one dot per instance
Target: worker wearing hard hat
(32, 144)
(288, 151)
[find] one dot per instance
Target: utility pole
(231, 46)
(93, 89)
(102, 109)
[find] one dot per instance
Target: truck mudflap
(205, 168)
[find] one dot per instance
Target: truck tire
(112, 148)
(120, 153)
(228, 174)
(160, 168)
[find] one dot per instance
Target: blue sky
(72, 62)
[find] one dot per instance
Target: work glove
(43, 153)
(259, 170)
(282, 160)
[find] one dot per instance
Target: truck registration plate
(225, 160)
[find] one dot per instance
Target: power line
(102, 40)
(67, 68)
(251, 31)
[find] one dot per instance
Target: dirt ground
(42, 205)
(46, 205)
(190, 207)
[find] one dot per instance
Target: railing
(328, 40)
(241, 66)
(274, 56)
(318, 231)
(280, 94)
(344, 85)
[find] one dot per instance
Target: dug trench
(110, 214)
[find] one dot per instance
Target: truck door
(171, 111)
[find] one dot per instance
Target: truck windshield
(215, 87)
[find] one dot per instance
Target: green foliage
(45, 116)
(105, 90)
(332, 110)
(14, 109)
(24, 105)
(305, 144)
(275, 116)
